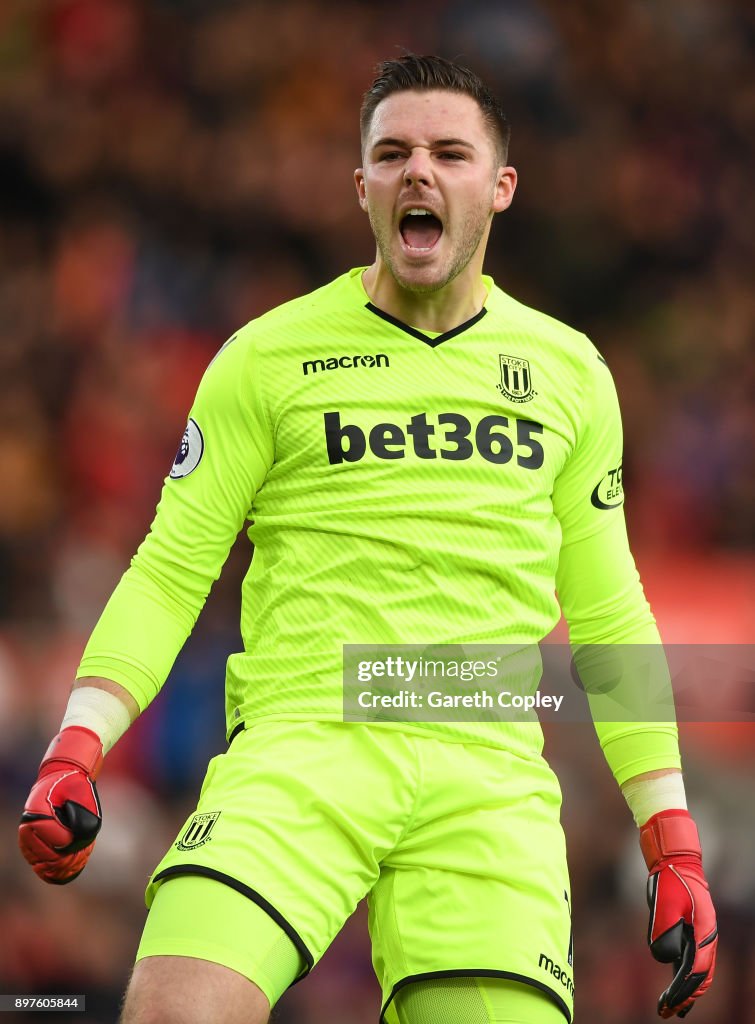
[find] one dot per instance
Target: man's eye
(449, 155)
(391, 155)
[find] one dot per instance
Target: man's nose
(418, 168)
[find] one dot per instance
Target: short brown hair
(414, 72)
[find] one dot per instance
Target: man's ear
(505, 186)
(361, 189)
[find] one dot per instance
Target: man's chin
(421, 280)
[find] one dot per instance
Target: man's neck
(436, 312)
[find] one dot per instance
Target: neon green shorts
(458, 848)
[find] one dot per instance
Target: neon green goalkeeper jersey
(399, 488)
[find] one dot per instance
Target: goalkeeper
(419, 458)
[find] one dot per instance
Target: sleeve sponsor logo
(609, 492)
(190, 452)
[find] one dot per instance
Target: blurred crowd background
(170, 169)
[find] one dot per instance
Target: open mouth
(420, 230)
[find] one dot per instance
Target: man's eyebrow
(437, 144)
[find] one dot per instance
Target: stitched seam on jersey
(394, 903)
(587, 404)
(252, 367)
(411, 740)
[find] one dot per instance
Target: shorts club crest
(197, 832)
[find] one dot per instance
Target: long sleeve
(610, 621)
(222, 462)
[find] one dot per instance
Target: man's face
(430, 185)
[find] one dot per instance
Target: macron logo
(558, 972)
(337, 362)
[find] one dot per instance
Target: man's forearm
(109, 686)
(657, 774)
(101, 705)
(651, 792)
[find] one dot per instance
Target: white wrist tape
(647, 797)
(100, 711)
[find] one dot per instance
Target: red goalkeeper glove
(682, 927)
(62, 815)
